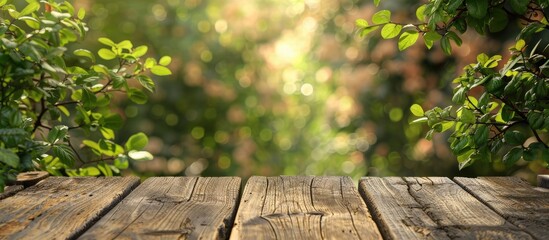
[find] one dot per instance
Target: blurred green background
(285, 87)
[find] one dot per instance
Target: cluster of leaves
(500, 108)
(44, 101)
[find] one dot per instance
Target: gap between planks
(432, 208)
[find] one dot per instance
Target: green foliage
(45, 100)
(500, 109)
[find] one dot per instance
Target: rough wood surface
(432, 208)
(515, 200)
(172, 208)
(60, 208)
(10, 191)
(28, 179)
(302, 208)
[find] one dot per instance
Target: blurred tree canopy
(273, 87)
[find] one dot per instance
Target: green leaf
(498, 20)
(407, 39)
(446, 46)
(110, 148)
(160, 70)
(146, 82)
(519, 6)
(376, 2)
(89, 99)
(165, 60)
(150, 62)
(467, 116)
(32, 7)
(84, 53)
(107, 133)
(465, 159)
(9, 158)
(140, 155)
(420, 13)
(535, 120)
(137, 96)
(453, 5)
(31, 22)
(507, 113)
(126, 44)
(57, 133)
(140, 51)
(65, 154)
(113, 121)
(492, 62)
(381, 17)
(93, 145)
(455, 37)
(107, 42)
(477, 8)
(390, 30)
(106, 54)
(417, 110)
(81, 13)
(99, 68)
(137, 142)
(430, 38)
(105, 169)
(121, 162)
(513, 156)
(459, 96)
(514, 138)
(419, 120)
(520, 44)
(367, 30)
(481, 135)
(91, 171)
(361, 23)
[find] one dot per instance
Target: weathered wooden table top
(286, 207)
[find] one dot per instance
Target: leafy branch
(510, 115)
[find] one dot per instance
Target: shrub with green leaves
(54, 115)
(510, 116)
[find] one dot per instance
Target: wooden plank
(25, 179)
(60, 207)
(515, 200)
(302, 208)
(431, 208)
(172, 208)
(10, 191)
(28, 179)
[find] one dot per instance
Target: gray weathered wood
(543, 181)
(302, 208)
(515, 200)
(60, 208)
(431, 208)
(172, 208)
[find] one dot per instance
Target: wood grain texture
(515, 200)
(431, 208)
(10, 191)
(172, 208)
(28, 179)
(302, 208)
(60, 208)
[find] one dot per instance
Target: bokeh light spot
(307, 89)
(197, 132)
